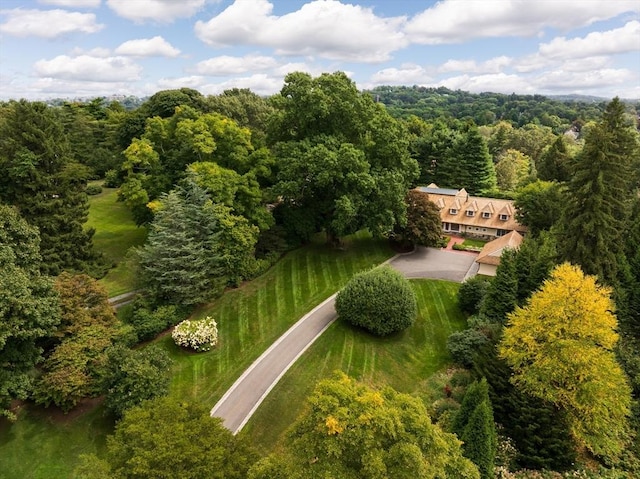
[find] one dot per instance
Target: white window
(453, 211)
(486, 214)
(470, 212)
(504, 217)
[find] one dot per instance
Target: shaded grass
(38, 446)
(473, 243)
(403, 361)
(116, 232)
(253, 316)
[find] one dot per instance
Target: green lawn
(39, 446)
(252, 317)
(116, 232)
(404, 361)
(474, 243)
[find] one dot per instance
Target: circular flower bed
(199, 335)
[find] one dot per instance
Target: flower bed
(200, 335)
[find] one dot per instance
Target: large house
(486, 218)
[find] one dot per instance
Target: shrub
(148, 323)
(380, 300)
(471, 294)
(111, 179)
(199, 335)
(463, 345)
(93, 190)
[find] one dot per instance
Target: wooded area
(225, 185)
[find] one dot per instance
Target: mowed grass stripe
(404, 361)
(287, 296)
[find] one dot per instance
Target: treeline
(487, 108)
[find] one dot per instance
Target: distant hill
(557, 112)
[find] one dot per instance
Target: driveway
(243, 398)
(450, 265)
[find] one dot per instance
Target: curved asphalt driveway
(243, 398)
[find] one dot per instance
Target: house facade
(486, 218)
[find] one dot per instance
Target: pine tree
(480, 439)
(555, 163)
(477, 173)
(179, 264)
(502, 294)
(600, 194)
(477, 392)
(46, 186)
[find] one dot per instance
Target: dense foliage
(351, 431)
(560, 346)
(197, 334)
(380, 300)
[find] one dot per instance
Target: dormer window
(470, 212)
(486, 214)
(453, 211)
(504, 217)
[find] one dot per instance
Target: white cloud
(326, 28)
(585, 80)
(94, 52)
(260, 83)
(620, 40)
(53, 87)
(148, 47)
(72, 3)
(405, 75)
(47, 23)
(165, 11)
(194, 81)
(227, 65)
(493, 65)
(89, 69)
(455, 21)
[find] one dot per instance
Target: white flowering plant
(200, 334)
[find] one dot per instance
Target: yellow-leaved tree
(560, 347)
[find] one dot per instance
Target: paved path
(123, 299)
(243, 398)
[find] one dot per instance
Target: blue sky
(88, 48)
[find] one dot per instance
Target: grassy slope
(404, 361)
(115, 233)
(253, 316)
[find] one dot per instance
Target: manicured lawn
(116, 232)
(39, 447)
(252, 317)
(404, 361)
(474, 243)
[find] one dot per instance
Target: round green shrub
(380, 300)
(471, 294)
(93, 190)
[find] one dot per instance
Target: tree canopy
(560, 346)
(351, 431)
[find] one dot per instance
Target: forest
(291, 198)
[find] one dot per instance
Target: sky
(91, 48)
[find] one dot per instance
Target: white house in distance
(486, 218)
(489, 257)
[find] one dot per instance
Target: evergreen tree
(179, 264)
(555, 163)
(29, 309)
(539, 430)
(599, 196)
(535, 258)
(476, 394)
(502, 294)
(480, 440)
(46, 186)
(475, 170)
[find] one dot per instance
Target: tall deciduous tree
(166, 438)
(555, 162)
(40, 178)
(351, 431)
(29, 310)
(343, 160)
(600, 195)
(560, 346)
(424, 226)
(539, 205)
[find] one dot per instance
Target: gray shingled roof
(438, 191)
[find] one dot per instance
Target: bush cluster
(93, 190)
(380, 300)
(200, 335)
